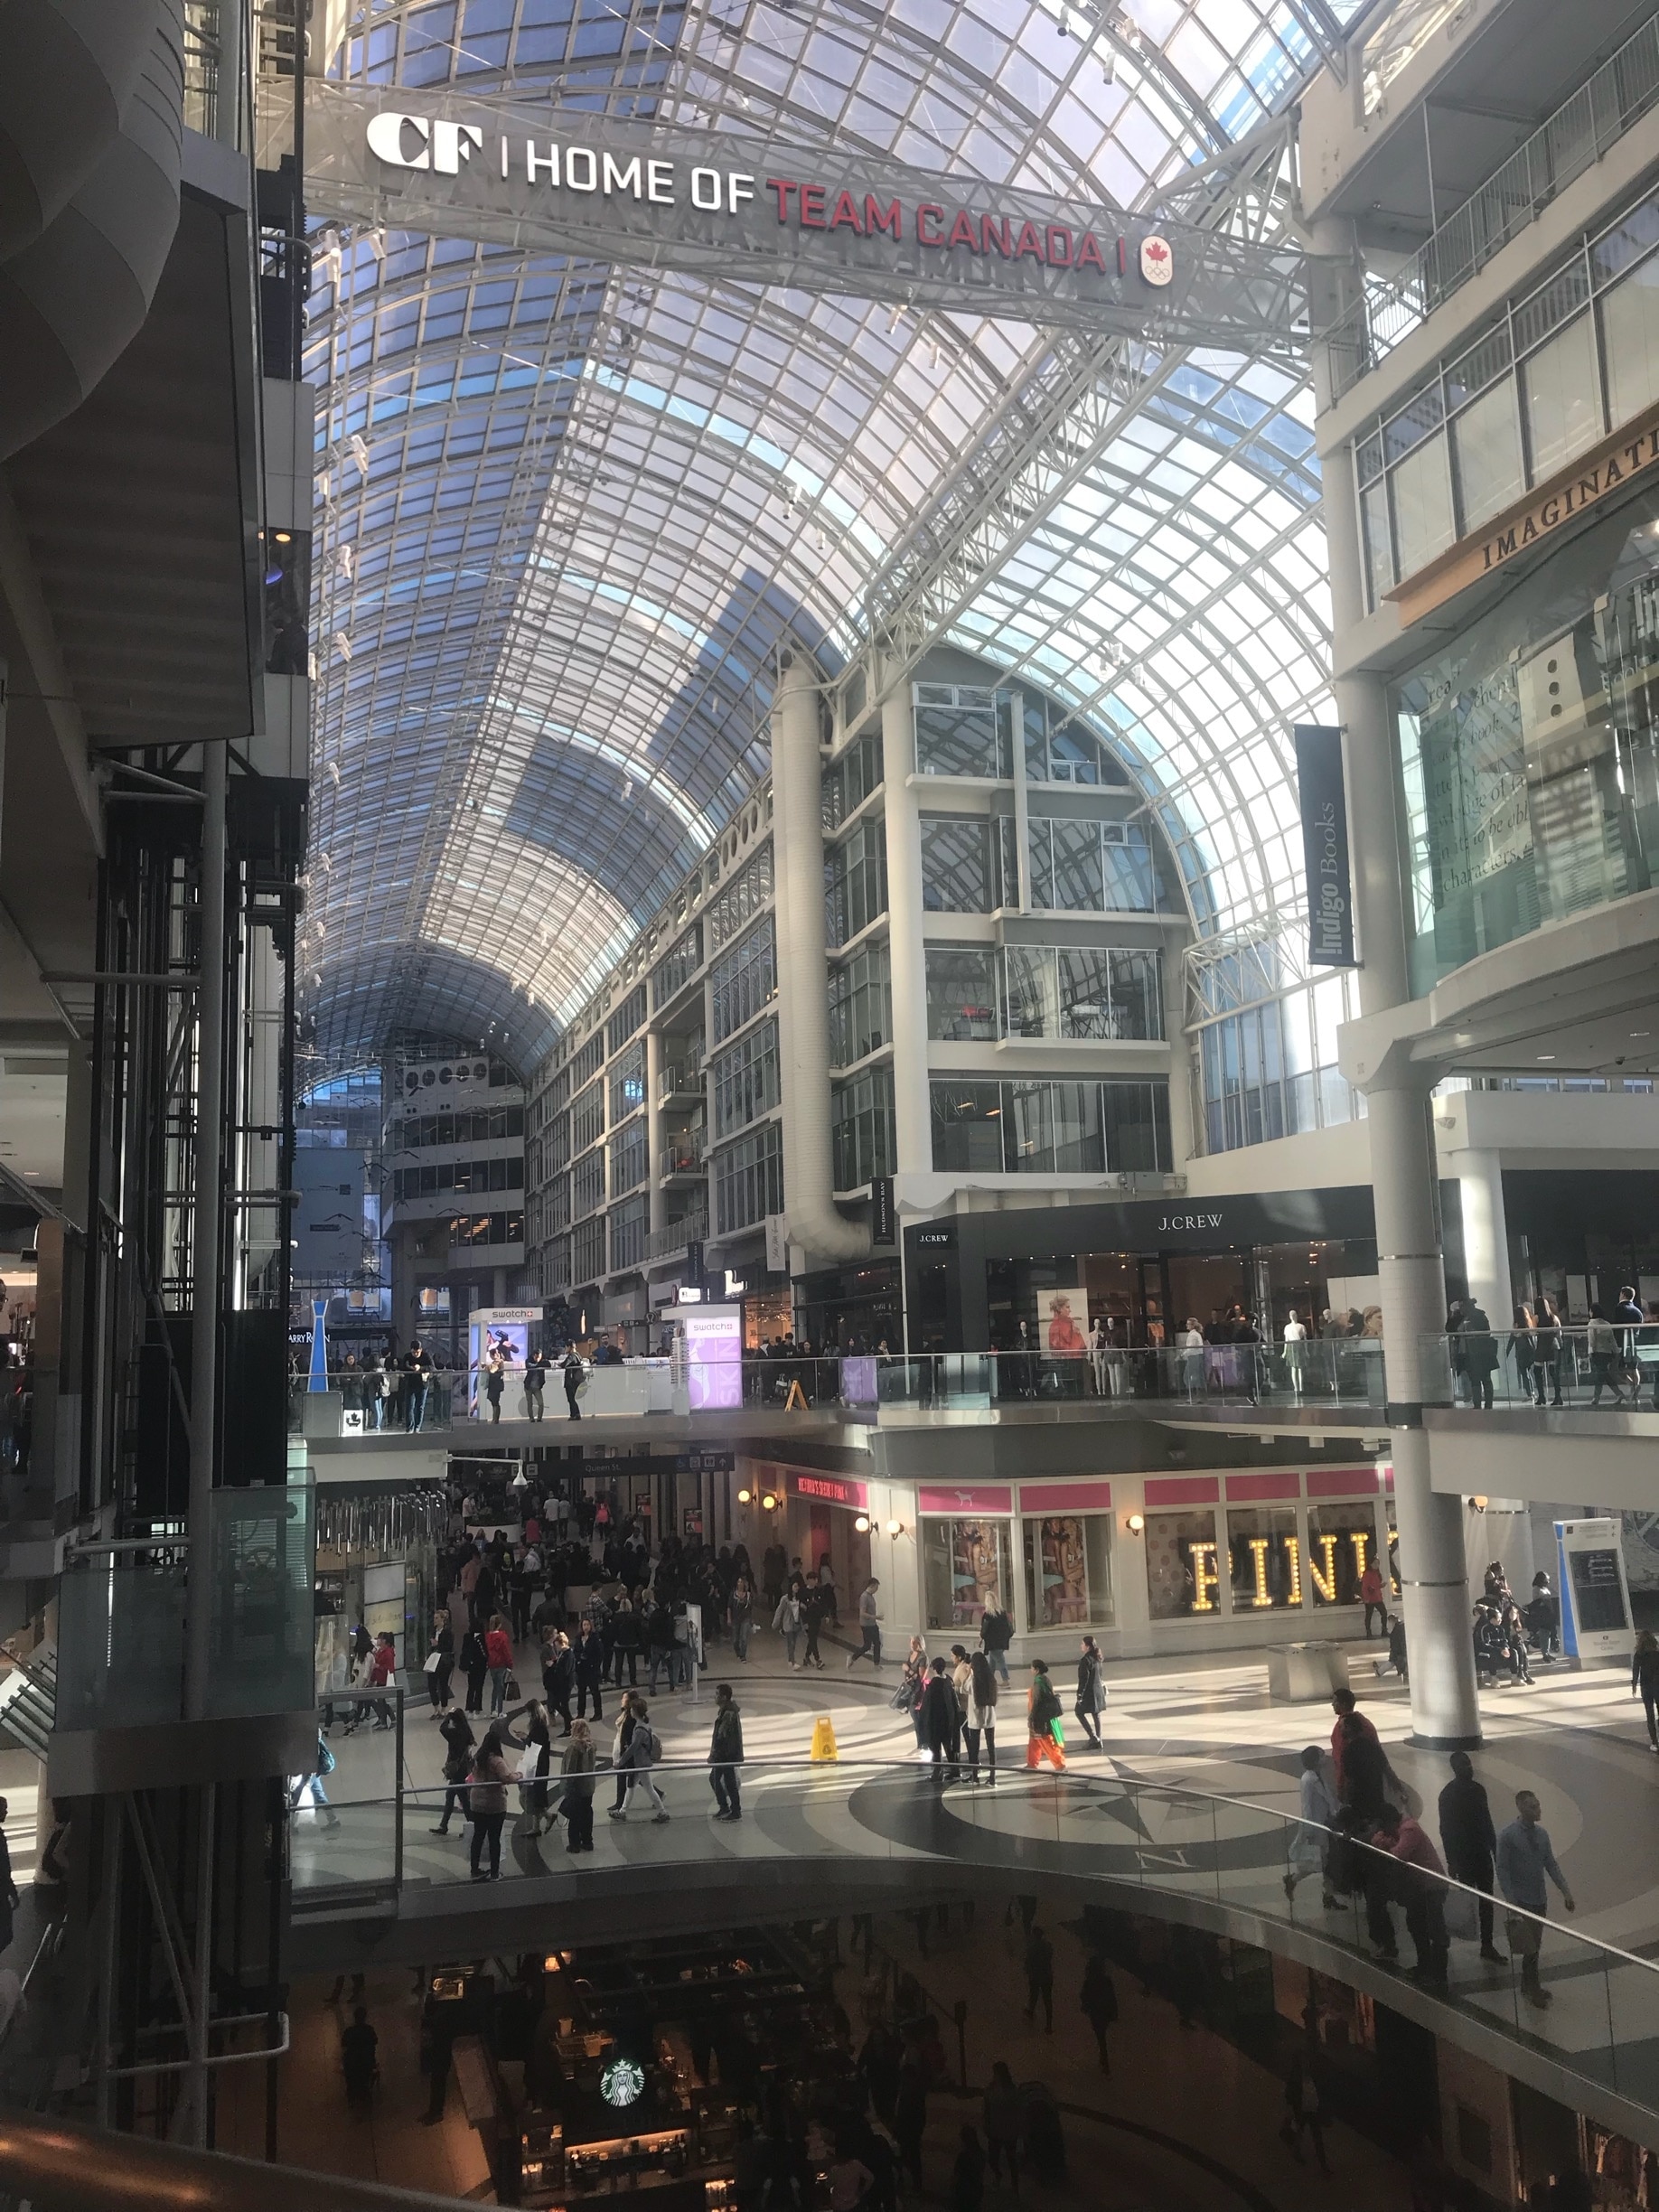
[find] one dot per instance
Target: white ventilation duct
(803, 1002)
(89, 217)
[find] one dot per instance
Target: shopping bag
(1462, 1915)
(429, 1664)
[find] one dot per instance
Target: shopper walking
(940, 1721)
(996, 1633)
(980, 1722)
(1042, 1718)
(574, 1375)
(440, 1661)
(1470, 1841)
(1090, 1701)
(726, 1754)
(1040, 1978)
(1644, 1680)
(1374, 1598)
(475, 1666)
(869, 1627)
(1526, 1865)
(1423, 1891)
(743, 1616)
(535, 1379)
(1546, 1352)
(488, 1804)
(498, 1651)
(558, 1676)
(456, 1731)
(1310, 1842)
(640, 1753)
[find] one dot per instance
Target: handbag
(429, 1664)
(1462, 1915)
(513, 1685)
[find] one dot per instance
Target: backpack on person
(646, 1745)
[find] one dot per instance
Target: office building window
(963, 730)
(1270, 1070)
(748, 1179)
(628, 1017)
(849, 782)
(630, 1233)
(861, 1127)
(557, 1140)
(1091, 866)
(746, 1080)
(588, 1061)
(587, 1251)
(677, 965)
(630, 1154)
(475, 1229)
(1059, 751)
(961, 865)
(587, 1117)
(626, 1083)
(961, 993)
(855, 883)
(588, 1182)
(558, 1202)
(967, 1119)
(860, 1005)
(1043, 1127)
(744, 979)
(740, 896)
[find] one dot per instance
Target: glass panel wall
(963, 1563)
(961, 993)
(1035, 1127)
(1183, 1578)
(1265, 1558)
(860, 1005)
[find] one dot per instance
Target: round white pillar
(1485, 1233)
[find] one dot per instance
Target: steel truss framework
(568, 512)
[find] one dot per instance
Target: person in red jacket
(1423, 1883)
(497, 1646)
(382, 1671)
(1374, 1598)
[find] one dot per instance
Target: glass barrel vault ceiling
(565, 511)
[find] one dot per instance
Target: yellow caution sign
(823, 1738)
(796, 1401)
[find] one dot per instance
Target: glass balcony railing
(121, 1617)
(1572, 140)
(1583, 1370)
(1258, 1860)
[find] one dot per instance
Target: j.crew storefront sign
(822, 218)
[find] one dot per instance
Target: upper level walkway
(1189, 1812)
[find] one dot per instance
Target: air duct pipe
(803, 998)
(90, 221)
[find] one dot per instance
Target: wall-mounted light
(769, 1503)
(1479, 1504)
(896, 1528)
(862, 1525)
(744, 1496)
(1134, 1523)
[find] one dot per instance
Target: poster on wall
(975, 1561)
(712, 1341)
(1062, 1321)
(492, 1331)
(1063, 1572)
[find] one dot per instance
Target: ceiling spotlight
(1546, 1056)
(281, 537)
(1066, 23)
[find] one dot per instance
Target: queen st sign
(821, 219)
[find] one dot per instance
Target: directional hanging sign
(754, 211)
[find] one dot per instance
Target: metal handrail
(1562, 147)
(907, 1767)
(92, 2170)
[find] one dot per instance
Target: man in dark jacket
(726, 1754)
(660, 1642)
(587, 1666)
(996, 1633)
(1469, 1840)
(941, 1717)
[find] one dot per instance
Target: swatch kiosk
(1595, 1598)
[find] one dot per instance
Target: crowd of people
(1615, 1347)
(1362, 1834)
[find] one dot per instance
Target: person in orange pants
(1042, 1713)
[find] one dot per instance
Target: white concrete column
(1485, 1233)
(654, 1128)
(1445, 1707)
(912, 1127)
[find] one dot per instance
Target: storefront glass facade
(1068, 1570)
(964, 1558)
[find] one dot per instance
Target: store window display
(1265, 1558)
(1183, 1578)
(1068, 1572)
(963, 1561)
(1342, 1541)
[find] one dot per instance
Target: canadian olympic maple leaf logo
(1156, 261)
